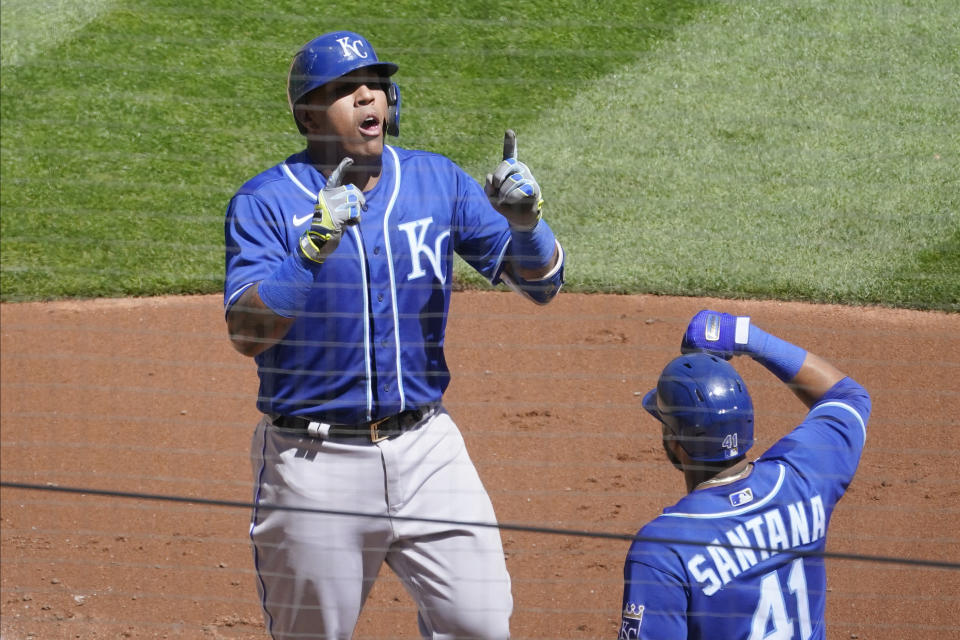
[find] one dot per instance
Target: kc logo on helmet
(351, 49)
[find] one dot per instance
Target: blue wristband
(533, 249)
(780, 357)
(286, 291)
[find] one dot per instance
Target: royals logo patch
(630, 621)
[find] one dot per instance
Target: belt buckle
(375, 430)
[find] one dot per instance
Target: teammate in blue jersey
(339, 263)
(737, 558)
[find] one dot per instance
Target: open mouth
(370, 126)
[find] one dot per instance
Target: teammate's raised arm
(808, 375)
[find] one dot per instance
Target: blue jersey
(370, 341)
(754, 588)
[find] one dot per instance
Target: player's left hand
(512, 189)
(717, 333)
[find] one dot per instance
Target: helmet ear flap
(393, 109)
(668, 435)
(297, 110)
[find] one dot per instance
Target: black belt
(376, 430)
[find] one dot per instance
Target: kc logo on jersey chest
(416, 236)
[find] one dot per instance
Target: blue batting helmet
(703, 403)
(331, 56)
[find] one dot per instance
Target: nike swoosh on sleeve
(300, 220)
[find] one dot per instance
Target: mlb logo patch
(741, 497)
(630, 622)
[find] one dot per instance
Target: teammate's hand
(718, 333)
(337, 205)
(512, 189)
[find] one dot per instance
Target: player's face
(350, 112)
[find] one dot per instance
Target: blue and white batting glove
(512, 189)
(337, 205)
(727, 335)
(717, 333)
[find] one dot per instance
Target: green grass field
(803, 149)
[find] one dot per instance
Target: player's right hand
(717, 333)
(337, 205)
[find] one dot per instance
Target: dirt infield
(148, 397)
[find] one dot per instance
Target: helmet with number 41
(703, 403)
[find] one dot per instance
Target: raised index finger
(509, 144)
(337, 175)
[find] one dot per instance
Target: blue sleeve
(255, 244)
(654, 605)
(827, 446)
(480, 234)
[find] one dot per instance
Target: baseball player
(339, 263)
(731, 559)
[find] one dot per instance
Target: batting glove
(717, 333)
(725, 335)
(512, 189)
(337, 205)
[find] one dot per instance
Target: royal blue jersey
(754, 588)
(370, 341)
